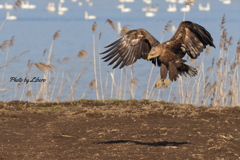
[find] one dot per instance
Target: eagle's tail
(187, 70)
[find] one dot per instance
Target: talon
(158, 84)
(165, 84)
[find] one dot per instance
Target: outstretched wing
(134, 45)
(189, 38)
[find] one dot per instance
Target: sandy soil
(121, 130)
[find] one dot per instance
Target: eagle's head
(153, 53)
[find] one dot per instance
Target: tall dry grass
(6, 46)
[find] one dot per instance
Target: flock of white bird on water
(148, 9)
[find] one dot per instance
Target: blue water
(33, 31)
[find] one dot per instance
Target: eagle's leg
(165, 84)
(163, 74)
(173, 74)
(158, 84)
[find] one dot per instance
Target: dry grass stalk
(166, 29)
(13, 59)
(66, 59)
(19, 84)
(100, 35)
(7, 43)
(18, 4)
(45, 51)
(44, 67)
(213, 60)
(92, 84)
(40, 67)
(134, 82)
(56, 35)
(57, 99)
(190, 2)
(192, 61)
(167, 26)
(12, 41)
(238, 47)
(82, 54)
(219, 63)
(210, 69)
(40, 100)
(94, 26)
(207, 87)
(230, 40)
(29, 94)
(133, 86)
(124, 30)
(223, 22)
(112, 24)
(29, 65)
(4, 45)
(208, 51)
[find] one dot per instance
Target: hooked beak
(149, 57)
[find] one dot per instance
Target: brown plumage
(189, 38)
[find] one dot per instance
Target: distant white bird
(51, 7)
(186, 8)
(123, 9)
(126, 0)
(26, 5)
(226, 1)
(147, 1)
(181, 1)
(147, 8)
(201, 8)
(1, 6)
(149, 14)
(154, 9)
(172, 1)
(9, 17)
(86, 16)
(172, 8)
(61, 13)
(120, 6)
(74, 0)
(90, 3)
(80, 3)
(62, 1)
(8, 6)
(126, 10)
(60, 8)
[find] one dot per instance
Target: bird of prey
(190, 38)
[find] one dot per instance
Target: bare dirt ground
(121, 130)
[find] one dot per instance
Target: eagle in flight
(190, 38)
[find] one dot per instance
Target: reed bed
(217, 83)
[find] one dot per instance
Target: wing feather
(189, 38)
(112, 43)
(119, 61)
(110, 56)
(136, 44)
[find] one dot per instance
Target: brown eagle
(189, 38)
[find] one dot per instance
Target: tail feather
(187, 70)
